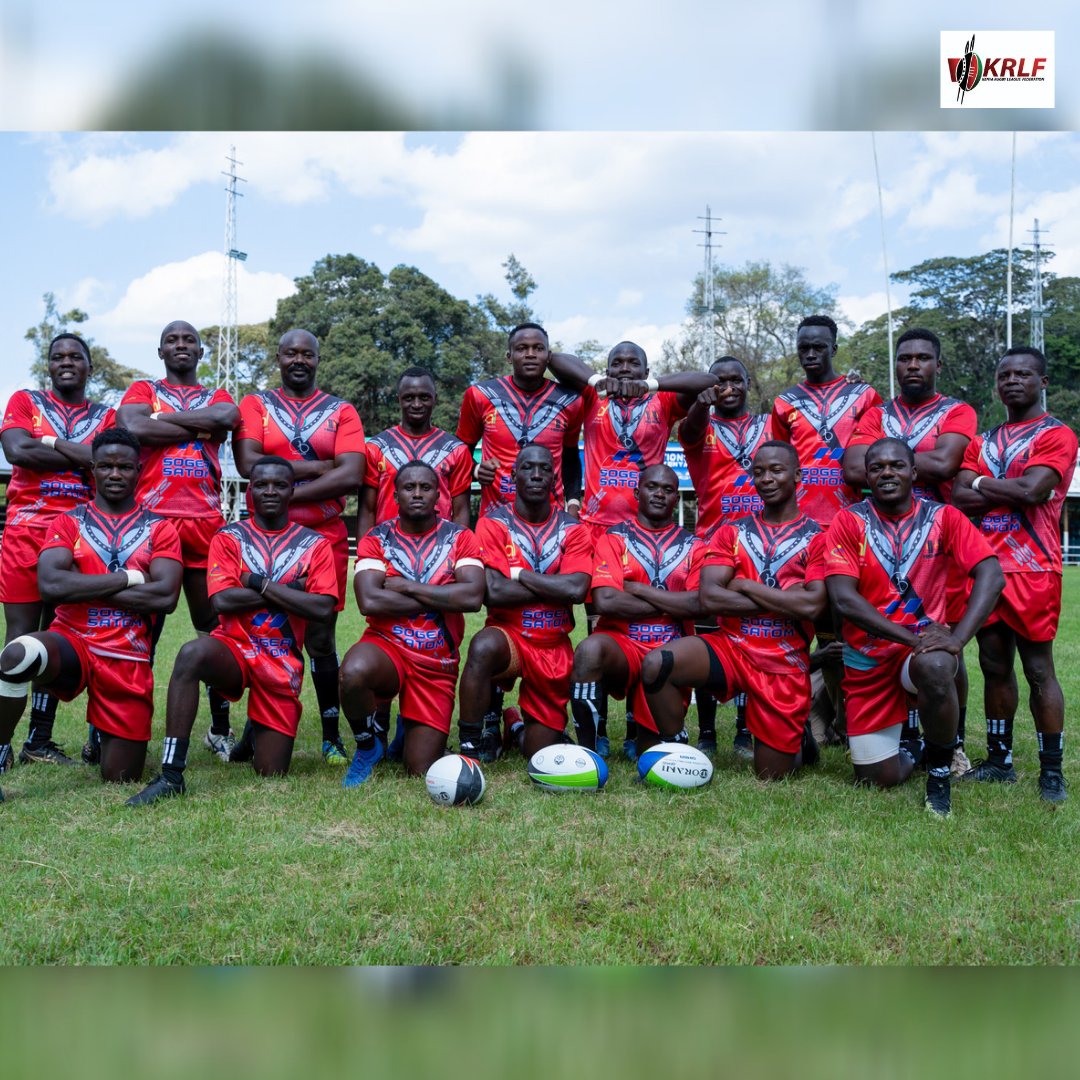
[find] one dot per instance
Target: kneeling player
(645, 590)
(110, 567)
(539, 561)
(763, 576)
(267, 578)
(416, 575)
(888, 561)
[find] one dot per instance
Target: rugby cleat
(363, 763)
(513, 729)
(333, 753)
(743, 745)
(244, 748)
(7, 758)
(629, 749)
(221, 746)
(396, 750)
(938, 801)
(707, 741)
(47, 753)
(990, 772)
(811, 752)
(1052, 786)
(603, 746)
(161, 787)
(91, 751)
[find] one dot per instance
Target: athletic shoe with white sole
(363, 764)
(220, 745)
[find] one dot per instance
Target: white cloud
(189, 290)
(861, 308)
(88, 293)
(629, 298)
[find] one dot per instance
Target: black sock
(372, 730)
(602, 711)
(939, 758)
(219, 712)
(498, 700)
(1050, 747)
(174, 759)
(911, 730)
(999, 740)
(42, 717)
(740, 715)
(706, 714)
(324, 675)
(631, 724)
(961, 727)
(5, 754)
(584, 699)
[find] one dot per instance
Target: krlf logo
(1011, 69)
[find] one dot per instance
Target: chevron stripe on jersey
(1000, 447)
(526, 415)
(271, 554)
(432, 449)
(912, 423)
(76, 423)
(824, 405)
(897, 544)
(114, 539)
(300, 418)
(182, 398)
(658, 553)
(418, 558)
(541, 545)
(771, 549)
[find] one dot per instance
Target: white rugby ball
(455, 780)
(566, 767)
(674, 765)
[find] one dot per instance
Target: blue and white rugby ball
(566, 767)
(455, 780)
(674, 765)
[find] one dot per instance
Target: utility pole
(227, 347)
(708, 327)
(1037, 338)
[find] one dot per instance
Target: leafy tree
(522, 286)
(256, 363)
(371, 326)
(756, 313)
(108, 379)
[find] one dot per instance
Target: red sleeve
(697, 561)
(321, 574)
(779, 426)
(349, 438)
(577, 555)
(973, 457)
(18, 412)
(575, 416)
(1056, 449)
(721, 549)
(466, 547)
(966, 544)
(370, 548)
(960, 420)
(607, 564)
(252, 420)
(63, 532)
(471, 419)
(842, 543)
(460, 479)
(815, 559)
(870, 398)
(493, 539)
(371, 469)
(868, 429)
(138, 393)
(222, 397)
(110, 420)
(223, 564)
(165, 542)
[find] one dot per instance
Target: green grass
(248, 871)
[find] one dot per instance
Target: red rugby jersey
(621, 439)
(779, 556)
(919, 426)
(503, 419)
(388, 451)
(315, 428)
(719, 466)
(1025, 539)
(430, 558)
(669, 558)
(559, 545)
(902, 565)
(103, 543)
(33, 497)
(818, 421)
(271, 640)
(182, 480)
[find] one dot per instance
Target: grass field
(297, 871)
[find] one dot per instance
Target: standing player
(938, 430)
(415, 577)
(1015, 478)
(109, 566)
(763, 576)
(539, 561)
(888, 562)
(628, 420)
(267, 579)
(645, 590)
(46, 436)
(181, 426)
(321, 435)
(720, 437)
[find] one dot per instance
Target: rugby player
(109, 566)
(181, 426)
(628, 417)
(538, 562)
(938, 430)
(268, 579)
(321, 435)
(888, 561)
(645, 590)
(762, 576)
(1014, 479)
(719, 438)
(46, 435)
(415, 577)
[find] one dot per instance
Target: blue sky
(130, 227)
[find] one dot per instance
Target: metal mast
(227, 347)
(1037, 339)
(708, 326)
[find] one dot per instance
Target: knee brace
(667, 662)
(33, 663)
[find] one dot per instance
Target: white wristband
(599, 377)
(49, 441)
(652, 384)
(135, 577)
(976, 482)
(515, 572)
(154, 415)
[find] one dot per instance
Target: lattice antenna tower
(228, 357)
(1037, 338)
(708, 321)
